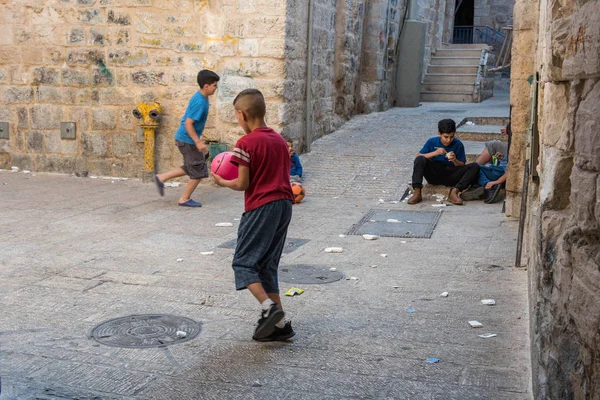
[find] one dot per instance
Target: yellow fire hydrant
(148, 114)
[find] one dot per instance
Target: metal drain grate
(291, 244)
(401, 224)
(308, 274)
(148, 330)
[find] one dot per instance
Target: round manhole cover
(148, 330)
(308, 274)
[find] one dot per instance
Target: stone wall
(563, 228)
(493, 13)
(91, 61)
(351, 70)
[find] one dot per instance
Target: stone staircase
(452, 74)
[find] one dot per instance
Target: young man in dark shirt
(442, 161)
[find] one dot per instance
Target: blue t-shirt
(432, 144)
(296, 168)
(197, 110)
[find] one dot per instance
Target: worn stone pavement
(78, 251)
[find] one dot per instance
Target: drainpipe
(148, 114)
(309, 72)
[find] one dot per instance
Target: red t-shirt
(265, 152)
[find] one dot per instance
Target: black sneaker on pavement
(267, 321)
(279, 334)
(492, 195)
(473, 193)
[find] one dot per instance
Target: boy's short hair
(207, 77)
(251, 102)
(447, 126)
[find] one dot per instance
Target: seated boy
(442, 162)
(296, 168)
(492, 171)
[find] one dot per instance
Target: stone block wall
(493, 13)
(433, 13)
(354, 42)
(91, 61)
(561, 41)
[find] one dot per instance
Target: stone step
(452, 69)
(458, 53)
(450, 78)
(480, 133)
(480, 46)
(454, 61)
(502, 121)
(448, 97)
(448, 87)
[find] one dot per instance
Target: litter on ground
(383, 255)
(180, 260)
(293, 291)
(475, 324)
(342, 235)
(180, 334)
(333, 269)
(370, 237)
(444, 294)
(394, 221)
(172, 184)
(207, 253)
(487, 335)
(410, 310)
(224, 224)
(488, 302)
(432, 360)
(334, 250)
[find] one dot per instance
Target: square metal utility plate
(291, 244)
(401, 224)
(4, 130)
(68, 130)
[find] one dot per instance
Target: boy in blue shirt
(189, 142)
(442, 161)
(296, 168)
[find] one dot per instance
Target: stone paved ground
(78, 251)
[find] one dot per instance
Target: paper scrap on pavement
(487, 335)
(207, 253)
(444, 294)
(475, 324)
(293, 291)
(370, 237)
(334, 250)
(488, 302)
(432, 360)
(224, 224)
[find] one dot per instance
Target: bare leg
(189, 189)
(484, 158)
(276, 299)
(176, 173)
(258, 291)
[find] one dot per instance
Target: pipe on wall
(309, 73)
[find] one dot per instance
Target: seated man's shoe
(416, 197)
(492, 195)
(474, 193)
(279, 334)
(454, 198)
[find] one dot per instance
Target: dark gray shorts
(194, 161)
(261, 237)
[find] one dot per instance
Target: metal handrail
(477, 34)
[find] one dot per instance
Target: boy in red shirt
(264, 175)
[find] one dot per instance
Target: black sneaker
(279, 334)
(474, 193)
(492, 195)
(267, 321)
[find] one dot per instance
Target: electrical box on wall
(3, 130)
(68, 130)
